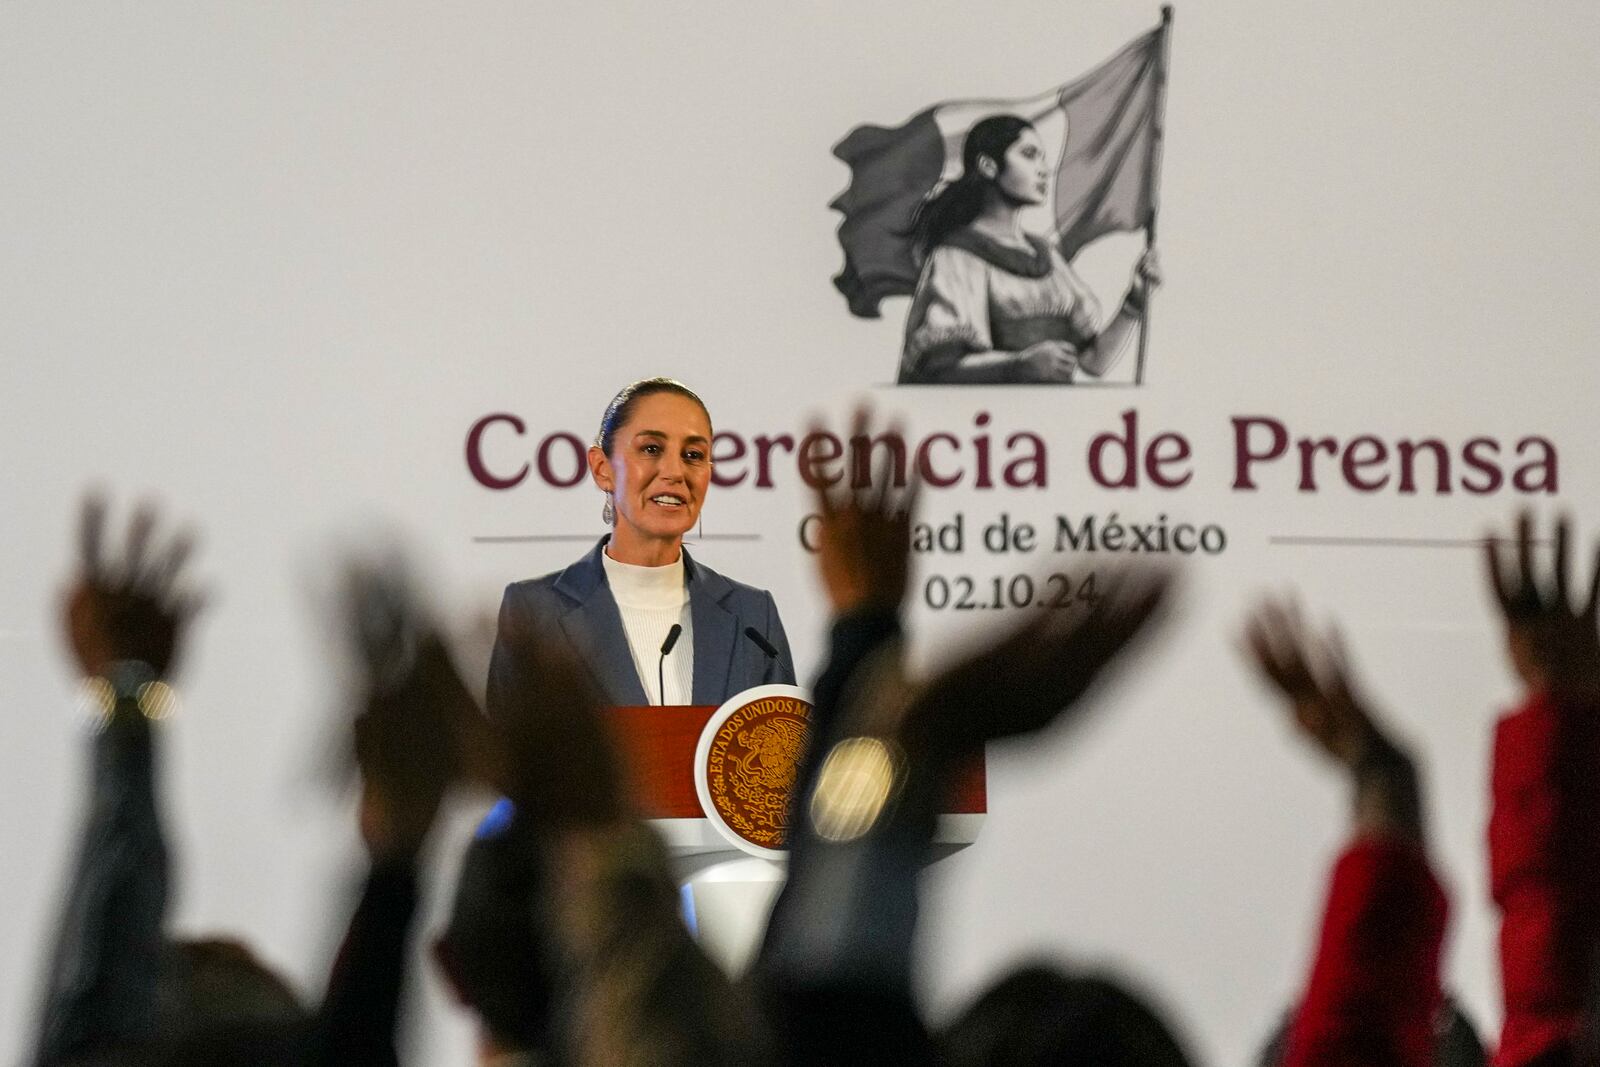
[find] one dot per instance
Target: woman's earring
(608, 512)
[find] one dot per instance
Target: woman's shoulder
(719, 586)
(952, 267)
(957, 253)
(968, 249)
(528, 587)
(576, 580)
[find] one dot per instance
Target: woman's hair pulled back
(621, 406)
(958, 203)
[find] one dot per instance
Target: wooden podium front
(658, 748)
(727, 894)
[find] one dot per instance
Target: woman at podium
(653, 625)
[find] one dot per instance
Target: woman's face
(1024, 172)
(658, 470)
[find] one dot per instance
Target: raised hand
(864, 536)
(561, 765)
(1025, 681)
(417, 730)
(133, 607)
(1552, 642)
(1313, 676)
(1146, 277)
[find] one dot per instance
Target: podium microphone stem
(661, 664)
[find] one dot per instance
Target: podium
(728, 892)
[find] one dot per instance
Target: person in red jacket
(1374, 991)
(1544, 832)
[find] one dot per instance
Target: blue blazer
(577, 604)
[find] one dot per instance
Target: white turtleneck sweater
(651, 599)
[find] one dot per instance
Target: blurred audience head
(489, 951)
(217, 1004)
(1038, 1015)
(219, 982)
(1459, 1044)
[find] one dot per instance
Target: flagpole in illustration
(1153, 172)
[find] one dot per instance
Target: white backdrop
(270, 264)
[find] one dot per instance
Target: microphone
(761, 642)
(661, 664)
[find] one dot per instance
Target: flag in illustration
(1105, 180)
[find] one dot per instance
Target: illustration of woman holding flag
(936, 210)
(994, 303)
